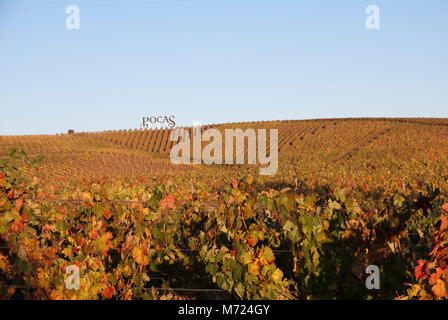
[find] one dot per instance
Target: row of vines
(240, 237)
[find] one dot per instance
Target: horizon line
(242, 122)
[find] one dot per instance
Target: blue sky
(218, 61)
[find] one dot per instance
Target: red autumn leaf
(445, 207)
(108, 292)
(433, 278)
(93, 234)
(444, 223)
(17, 226)
(11, 194)
(420, 270)
(107, 213)
(439, 289)
(167, 202)
(252, 241)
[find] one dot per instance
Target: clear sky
(218, 61)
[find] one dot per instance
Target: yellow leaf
(128, 295)
(140, 257)
(253, 268)
(127, 271)
(86, 196)
(277, 276)
(2, 263)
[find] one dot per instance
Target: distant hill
(302, 143)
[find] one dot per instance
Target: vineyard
(349, 193)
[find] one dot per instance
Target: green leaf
(239, 290)
(287, 201)
(268, 254)
(245, 258)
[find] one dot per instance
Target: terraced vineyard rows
(48, 144)
(68, 156)
(305, 144)
(332, 138)
(290, 134)
(111, 163)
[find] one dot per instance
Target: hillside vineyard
(349, 195)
